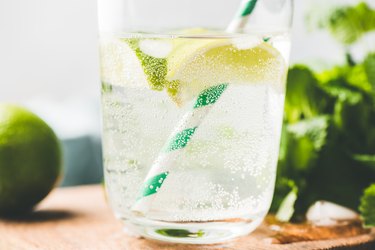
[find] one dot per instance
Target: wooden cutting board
(79, 218)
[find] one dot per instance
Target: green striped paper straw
(240, 20)
(178, 141)
(185, 130)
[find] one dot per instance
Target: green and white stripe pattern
(184, 132)
(240, 20)
(178, 141)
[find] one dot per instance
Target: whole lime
(30, 159)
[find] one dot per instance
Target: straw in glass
(183, 133)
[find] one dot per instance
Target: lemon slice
(197, 64)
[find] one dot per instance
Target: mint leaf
(305, 140)
(367, 160)
(367, 206)
(286, 209)
(180, 233)
(304, 143)
(348, 24)
(303, 95)
(286, 192)
(369, 67)
(282, 188)
(344, 77)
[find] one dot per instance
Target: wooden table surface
(79, 218)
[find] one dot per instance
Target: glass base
(190, 232)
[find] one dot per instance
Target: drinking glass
(192, 106)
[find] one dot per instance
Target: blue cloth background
(76, 122)
(82, 160)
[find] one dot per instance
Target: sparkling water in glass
(192, 115)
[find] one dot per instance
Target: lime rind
(30, 159)
(192, 65)
(154, 68)
(119, 65)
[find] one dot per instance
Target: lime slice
(197, 64)
(153, 64)
(139, 62)
(186, 66)
(119, 65)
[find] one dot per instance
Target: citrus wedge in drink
(187, 66)
(119, 64)
(198, 65)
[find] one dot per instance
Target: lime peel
(30, 159)
(191, 65)
(154, 68)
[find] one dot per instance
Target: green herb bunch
(328, 140)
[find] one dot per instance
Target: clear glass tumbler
(192, 106)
